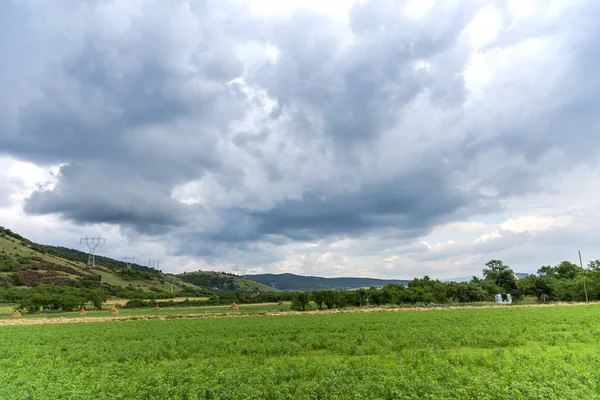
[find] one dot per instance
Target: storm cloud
(222, 131)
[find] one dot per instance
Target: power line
(92, 244)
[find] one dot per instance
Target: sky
(379, 138)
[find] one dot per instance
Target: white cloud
(375, 138)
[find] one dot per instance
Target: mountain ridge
(293, 282)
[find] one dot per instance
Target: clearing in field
(512, 353)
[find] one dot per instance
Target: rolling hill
(25, 263)
(289, 282)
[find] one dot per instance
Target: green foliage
(9, 263)
(565, 270)
(318, 297)
(130, 273)
(220, 282)
(503, 277)
(222, 299)
(561, 283)
(543, 353)
(301, 301)
(64, 298)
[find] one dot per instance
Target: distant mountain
(290, 282)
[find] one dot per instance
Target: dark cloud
(101, 193)
(366, 126)
(410, 204)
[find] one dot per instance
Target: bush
(139, 304)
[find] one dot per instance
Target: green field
(501, 353)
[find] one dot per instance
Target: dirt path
(64, 320)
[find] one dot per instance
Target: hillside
(223, 282)
(25, 263)
(309, 283)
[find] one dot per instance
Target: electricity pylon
(129, 261)
(92, 244)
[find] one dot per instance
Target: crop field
(496, 353)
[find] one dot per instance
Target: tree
(594, 265)
(318, 297)
(329, 298)
(361, 297)
(300, 301)
(564, 270)
(468, 292)
(97, 298)
(341, 298)
(502, 276)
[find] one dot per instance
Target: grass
(12, 246)
(506, 353)
(6, 309)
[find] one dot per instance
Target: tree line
(563, 282)
(221, 299)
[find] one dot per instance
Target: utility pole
(153, 263)
(92, 244)
(129, 261)
(584, 285)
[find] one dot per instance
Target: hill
(25, 263)
(224, 282)
(309, 283)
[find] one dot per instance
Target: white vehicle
(503, 298)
